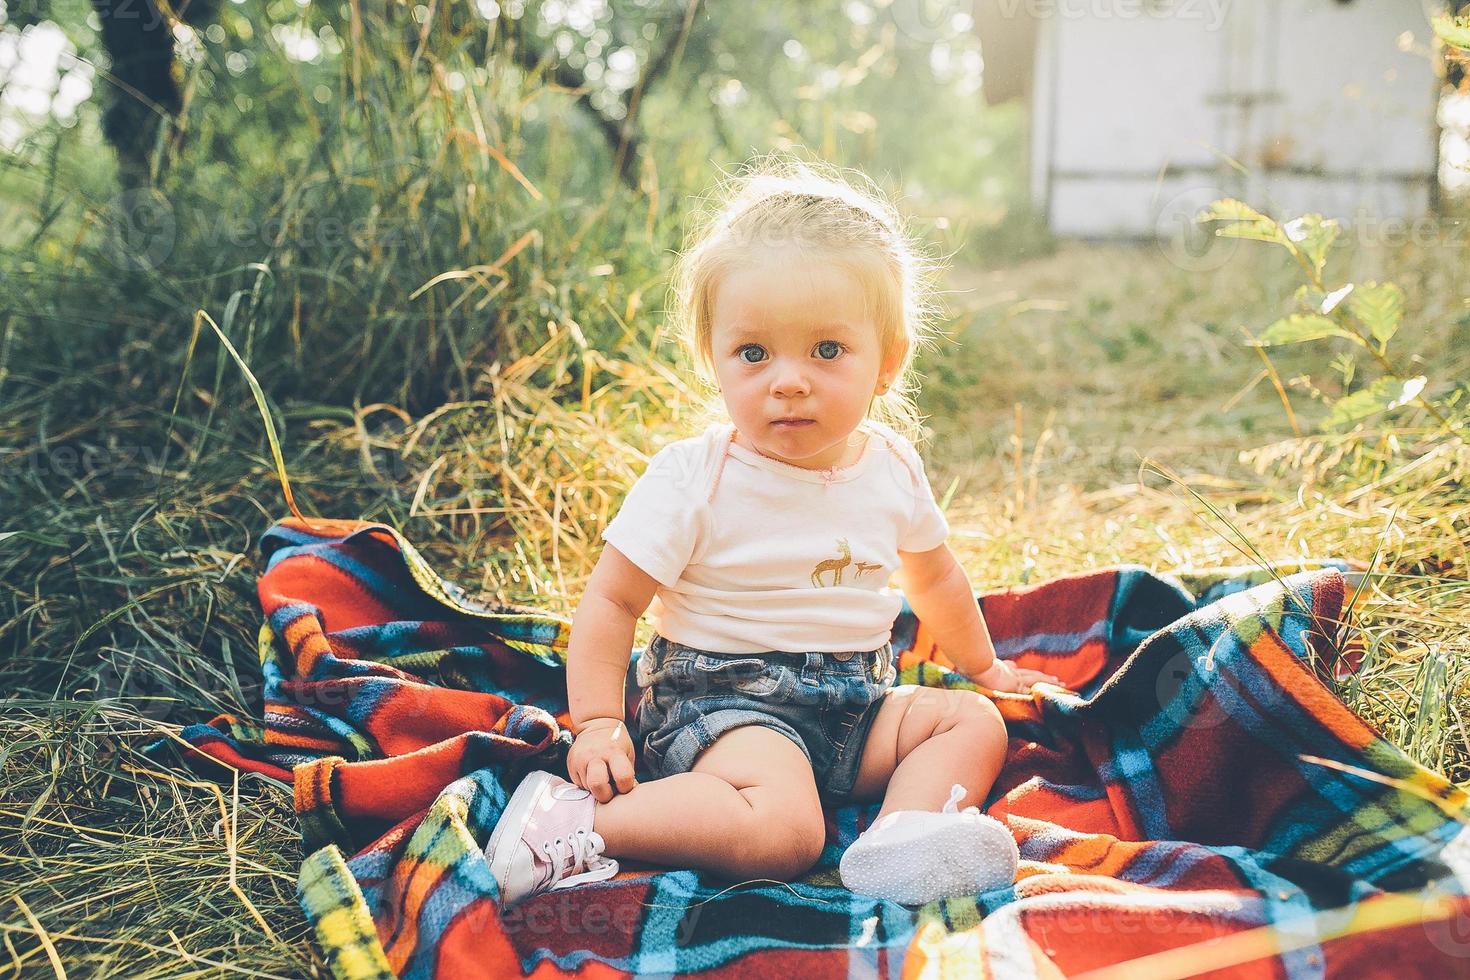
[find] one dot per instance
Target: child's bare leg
(923, 743)
(748, 809)
(925, 740)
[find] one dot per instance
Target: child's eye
(826, 350)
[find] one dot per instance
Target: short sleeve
(661, 523)
(927, 528)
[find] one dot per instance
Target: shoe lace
(581, 850)
(956, 793)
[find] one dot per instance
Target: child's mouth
(794, 422)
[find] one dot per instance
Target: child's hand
(601, 759)
(1002, 676)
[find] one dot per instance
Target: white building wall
(1140, 119)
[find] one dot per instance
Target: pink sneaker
(914, 857)
(544, 840)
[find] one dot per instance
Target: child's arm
(937, 588)
(940, 593)
(603, 626)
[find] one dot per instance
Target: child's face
(789, 338)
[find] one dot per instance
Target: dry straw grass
(116, 866)
(507, 491)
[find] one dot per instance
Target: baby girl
(765, 547)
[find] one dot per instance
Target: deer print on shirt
(864, 566)
(833, 565)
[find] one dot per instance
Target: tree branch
(621, 134)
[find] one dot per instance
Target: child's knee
(784, 846)
(974, 709)
(782, 837)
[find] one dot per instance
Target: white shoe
(917, 856)
(544, 840)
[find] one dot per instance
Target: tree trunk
(144, 91)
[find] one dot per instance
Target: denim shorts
(824, 702)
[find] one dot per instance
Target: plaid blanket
(1203, 804)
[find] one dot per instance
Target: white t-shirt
(756, 555)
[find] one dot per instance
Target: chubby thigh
(772, 773)
(909, 715)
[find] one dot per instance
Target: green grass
(1101, 408)
(507, 491)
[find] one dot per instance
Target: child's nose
(789, 382)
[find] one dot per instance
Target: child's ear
(888, 373)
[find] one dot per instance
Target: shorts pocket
(837, 724)
(751, 676)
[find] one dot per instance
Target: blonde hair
(778, 201)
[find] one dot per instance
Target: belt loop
(812, 669)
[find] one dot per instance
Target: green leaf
(1256, 233)
(1454, 31)
(1314, 235)
(1230, 209)
(1379, 307)
(1380, 396)
(1243, 221)
(1297, 328)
